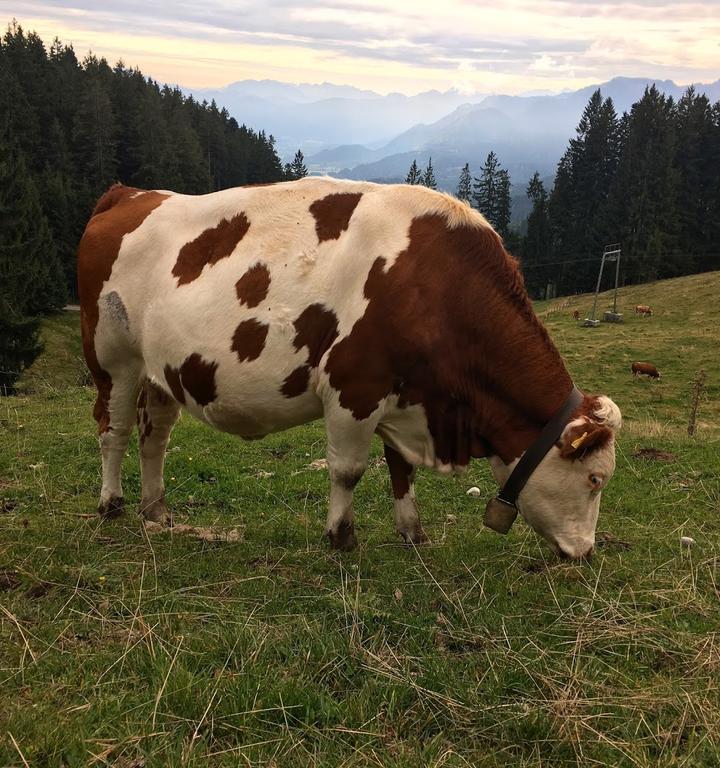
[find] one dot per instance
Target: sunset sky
(501, 46)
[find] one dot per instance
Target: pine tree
(414, 176)
(464, 184)
(711, 260)
(581, 210)
(645, 192)
(31, 279)
(696, 177)
(428, 179)
(94, 130)
(503, 204)
(485, 188)
(536, 247)
(297, 168)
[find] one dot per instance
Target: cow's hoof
(343, 539)
(113, 507)
(416, 537)
(156, 511)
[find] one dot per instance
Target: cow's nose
(582, 551)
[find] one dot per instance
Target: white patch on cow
(307, 259)
(607, 413)
(406, 430)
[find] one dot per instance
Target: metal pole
(597, 287)
(617, 277)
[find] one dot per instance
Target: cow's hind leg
(157, 413)
(115, 414)
(348, 446)
(402, 477)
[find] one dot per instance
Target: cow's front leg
(156, 415)
(402, 477)
(347, 455)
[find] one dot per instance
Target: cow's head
(561, 499)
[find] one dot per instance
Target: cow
(645, 369)
(576, 314)
(386, 309)
(643, 309)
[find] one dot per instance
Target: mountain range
(315, 117)
(360, 134)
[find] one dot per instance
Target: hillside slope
(126, 646)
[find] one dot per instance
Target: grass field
(128, 648)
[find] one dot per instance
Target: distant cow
(645, 369)
(643, 309)
(576, 314)
(386, 309)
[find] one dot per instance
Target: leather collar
(502, 510)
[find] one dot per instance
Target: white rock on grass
(474, 491)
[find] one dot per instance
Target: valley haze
(360, 134)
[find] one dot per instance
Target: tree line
(68, 130)
(649, 179)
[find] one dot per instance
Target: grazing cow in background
(643, 309)
(386, 309)
(645, 369)
(576, 314)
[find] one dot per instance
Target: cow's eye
(595, 481)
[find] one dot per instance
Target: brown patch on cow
(142, 400)
(209, 247)
(588, 438)
(144, 423)
(198, 378)
(348, 480)
(400, 472)
(252, 287)
(249, 339)
(316, 328)
(116, 214)
(450, 326)
(332, 214)
(172, 376)
(195, 376)
(296, 383)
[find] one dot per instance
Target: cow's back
(233, 299)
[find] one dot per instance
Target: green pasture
(129, 648)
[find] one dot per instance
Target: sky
(482, 46)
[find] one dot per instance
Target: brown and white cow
(645, 369)
(389, 310)
(643, 309)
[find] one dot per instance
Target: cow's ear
(583, 437)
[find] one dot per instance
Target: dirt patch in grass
(206, 533)
(38, 590)
(654, 454)
(8, 580)
(607, 540)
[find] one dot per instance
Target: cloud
(515, 44)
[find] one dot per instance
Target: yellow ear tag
(579, 441)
